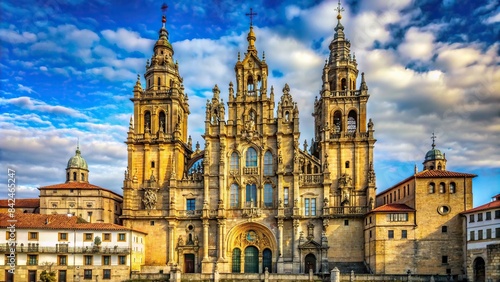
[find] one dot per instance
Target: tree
(48, 275)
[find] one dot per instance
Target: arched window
(235, 161)
(442, 189)
(161, 122)
(236, 261)
(267, 261)
(250, 83)
(337, 121)
(453, 188)
(259, 83)
(234, 196)
(268, 195)
(268, 163)
(343, 83)
(67, 176)
(159, 83)
(149, 83)
(251, 159)
(251, 194)
(351, 122)
(74, 176)
(432, 188)
(347, 164)
(82, 176)
(287, 116)
(147, 121)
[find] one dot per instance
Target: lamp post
(408, 273)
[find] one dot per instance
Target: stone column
(205, 239)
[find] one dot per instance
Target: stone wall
(493, 262)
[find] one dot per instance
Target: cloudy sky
(68, 68)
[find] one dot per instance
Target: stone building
(67, 245)
(417, 225)
(252, 198)
(79, 197)
(483, 241)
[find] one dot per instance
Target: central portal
(251, 260)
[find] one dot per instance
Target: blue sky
(68, 68)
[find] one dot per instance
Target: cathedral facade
(253, 198)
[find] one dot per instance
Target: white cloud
(23, 88)
(14, 37)
(493, 19)
(35, 105)
(43, 68)
(417, 45)
(128, 40)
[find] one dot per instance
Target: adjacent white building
(483, 241)
(74, 249)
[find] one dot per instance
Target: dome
(77, 161)
(434, 154)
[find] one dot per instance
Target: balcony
(345, 211)
(309, 179)
(251, 170)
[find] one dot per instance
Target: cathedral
(253, 198)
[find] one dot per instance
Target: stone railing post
(335, 275)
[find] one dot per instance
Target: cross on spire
(164, 8)
(339, 9)
(251, 14)
(433, 137)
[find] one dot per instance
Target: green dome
(77, 161)
(434, 154)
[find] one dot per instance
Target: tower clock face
(251, 236)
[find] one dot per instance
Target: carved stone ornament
(150, 198)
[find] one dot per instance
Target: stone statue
(149, 199)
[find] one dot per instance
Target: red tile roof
(76, 185)
(442, 173)
(56, 221)
(21, 203)
(430, 174)
(393, 208)
(488, 206)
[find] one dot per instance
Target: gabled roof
(488, 206)
(77, 186)
(431, 174)
(393, 208)
(56, 221)
(21, 203)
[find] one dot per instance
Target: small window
(106, 237)
(480, 217)
(471, 236)
(347, 164)
(370, 233)
(488, 233)
(444, 229)
(497, 232)
(497, 214)
(152, 164)
(88, 237)
(488, 215)
(286, 194)
(404, 234)
(32, 260)
(346, 222)
(190, 204)
(106, 274)
(88, 260)
(444, 259)
(87, 274)
(152, 223)
(121, 237)
(122, 260)
(106, 260)
(432, 188)
(453, 188)
(33, 236)
(471, 218)
(442, 188)
(62, 260)
(480, 234)
(390, 234)
(63, 236)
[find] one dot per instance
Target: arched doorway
(310, 263)
(267, 261)
(251, 260)
(479, 270)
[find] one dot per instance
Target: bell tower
(343, 138)
(157, 144)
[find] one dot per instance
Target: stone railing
(63, 248)
(350, 210)
(305, 179)
(251, 170)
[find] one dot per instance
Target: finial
(77, 146)
(433, 137)
(339, 9)
(239, 56)
(251, 14)
(164, 8)
(263, 55)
